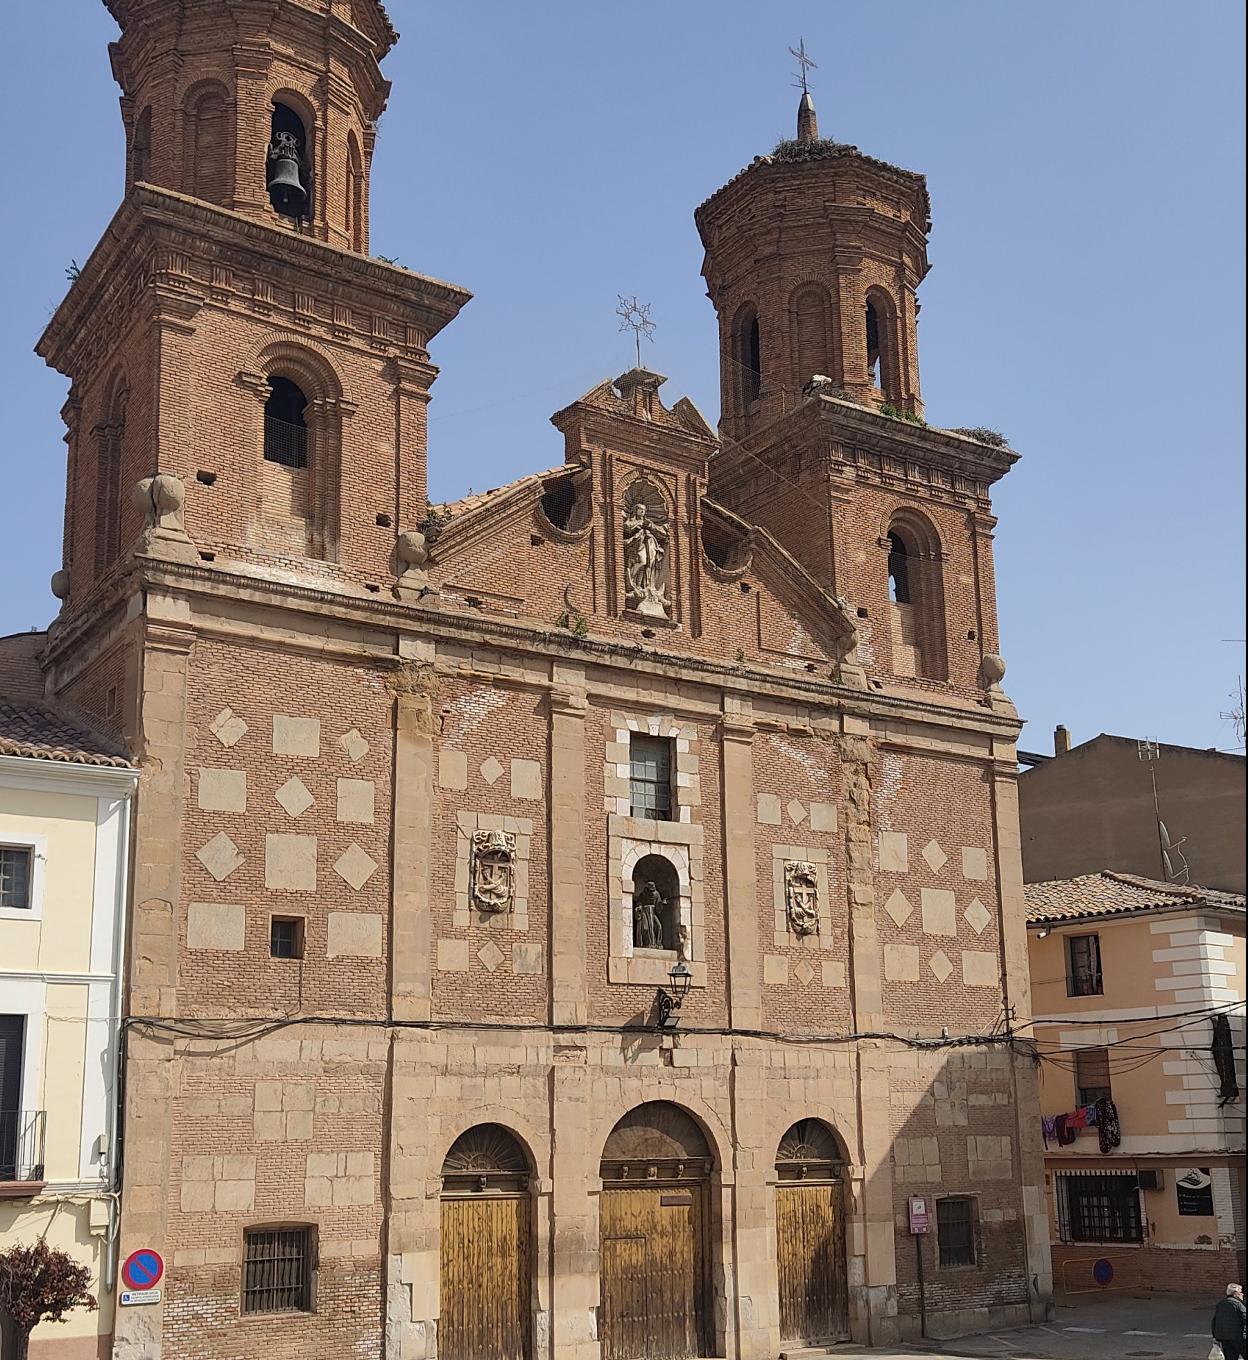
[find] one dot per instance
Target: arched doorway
(810, 1235)
(486, 1279)
(656, 1170)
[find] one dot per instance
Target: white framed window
(22, 859)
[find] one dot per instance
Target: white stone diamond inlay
(294, 797)
(490, 955)
(355, 865)
(940, 965)
(899, 908)
(354, 745)
(228, 727)
(934, 856)
(977, 916)
(797, 812)
(491, 770)
(803, 973)
(220, 856)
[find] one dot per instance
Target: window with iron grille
(650, 776)
(1099, 1208)
(1083, 960)
(277, 1270)
(285, 425)
(286, 937)
(955, 1231)
(1091, 1075)
(16, 863)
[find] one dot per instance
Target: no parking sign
(142, 1269)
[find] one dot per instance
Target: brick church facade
(443, 806)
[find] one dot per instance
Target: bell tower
(813, 255)
(230, 333)
(266, 108)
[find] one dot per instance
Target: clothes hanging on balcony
(1048, 1125)
(1224, 1060)
(1065, 1134)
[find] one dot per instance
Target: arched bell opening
(288, 165)
(810, 1235)
(654, 1235)
(486, 1281)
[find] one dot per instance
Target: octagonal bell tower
(813, 256)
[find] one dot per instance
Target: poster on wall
(1195, 1190)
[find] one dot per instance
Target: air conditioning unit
(1152, 1180)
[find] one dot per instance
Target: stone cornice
(193, 231)
(866, 440)
(214, 590)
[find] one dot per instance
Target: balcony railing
(21, 1146)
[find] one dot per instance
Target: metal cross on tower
(635, 316)
(804, 64)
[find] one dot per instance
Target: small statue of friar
(647, 927)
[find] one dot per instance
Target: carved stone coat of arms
(492, 880)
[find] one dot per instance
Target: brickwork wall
(298, 845)
(1171, 1270)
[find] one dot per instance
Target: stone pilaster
(566, 802)
(574, 1334)
(740, 831)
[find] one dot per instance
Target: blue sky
(1086, 169)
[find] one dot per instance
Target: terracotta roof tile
(39, 733)
(475, 499)
(1111, 894)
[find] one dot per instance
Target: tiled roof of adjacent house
(39, 733)
(1111, 894)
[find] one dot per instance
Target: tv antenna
(804, 64)
(1174, 863)
(635, 316)
(1235, 715)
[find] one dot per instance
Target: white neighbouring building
(65, 799)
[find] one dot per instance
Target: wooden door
(486, 1302)
(810, 1240)
(651, 1273)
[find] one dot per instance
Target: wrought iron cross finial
(635, 316)
(804, 64)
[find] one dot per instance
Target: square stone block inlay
(296, 736)
(940, 912)
(934, 856)
(822, 817)
(768, 809)
(452, 770)
(974, 863)
(354, 934)
(526, 958)
(216, 925)
(490, 955)
(354, 745)
(452, 956)
(833, 973)
(901, 962)
(355, 801)
(899, 908)
(355, 865)
(797, 812)
(294, 797)
(980, 968)
(491, 770)
(222, 790)
(775, 970)
(526, 780)
(977, 916)
(940, 965)
(228, 728)
(894, 852)
(220, 856)
(290, 862)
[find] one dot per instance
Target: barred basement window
(16, 863)
(1091, 1075)
(955, 1231)
(650, 775)
(1096, 1208)
(278, 1266)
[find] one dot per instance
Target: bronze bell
(285, 183)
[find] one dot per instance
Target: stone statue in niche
(801, 897)
(645, 552)
(493, 873)
(647, 924)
